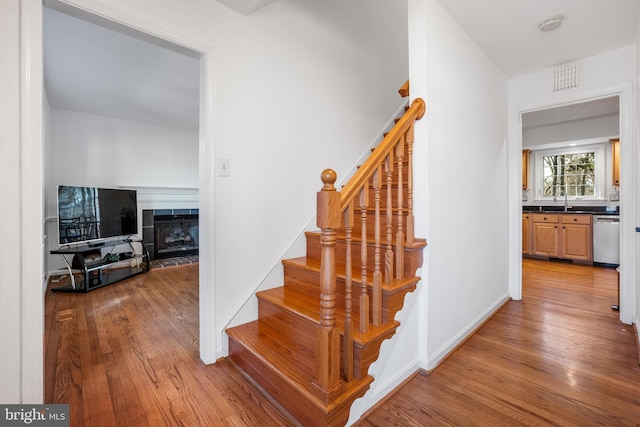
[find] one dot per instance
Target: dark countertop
(593, 210)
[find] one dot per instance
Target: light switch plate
(224, 167)
(614, 197)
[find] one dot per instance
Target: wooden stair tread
(273, 349)
(308, 307)
(314, 265)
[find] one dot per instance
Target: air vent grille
(565, 77)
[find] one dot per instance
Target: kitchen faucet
(566, 202)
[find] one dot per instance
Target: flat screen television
(87, 214)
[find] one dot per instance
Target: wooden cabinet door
(525, 169)
(545, 239)
(575, 238)
(526, 234)
(615, 161)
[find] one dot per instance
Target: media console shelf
(103, 263)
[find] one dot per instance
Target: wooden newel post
(328, 220)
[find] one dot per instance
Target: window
(577, 171)
(573, 173)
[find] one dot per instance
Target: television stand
(100, 269)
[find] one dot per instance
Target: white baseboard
(380, 391)
(434, 360)
(383, 389)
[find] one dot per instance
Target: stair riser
(303, 333)
(413, 259)
(302, 409)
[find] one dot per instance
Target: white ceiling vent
(565, 77)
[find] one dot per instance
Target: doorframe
(627, 191)
(32, 271)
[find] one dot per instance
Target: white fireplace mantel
(165, 197)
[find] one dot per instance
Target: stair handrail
(365, 171)
(336, 209)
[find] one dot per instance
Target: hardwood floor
(559, 357)
(127, 355)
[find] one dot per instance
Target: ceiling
(93, 68)
(507, 30)
(98, 70)
(567, 113)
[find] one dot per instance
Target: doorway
(205, 145)
(598, 117)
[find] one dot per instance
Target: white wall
(609, 74)
(10, 259)
(91, 150)
(467, 264)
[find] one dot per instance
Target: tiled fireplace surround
(163, 204)
(170, 232)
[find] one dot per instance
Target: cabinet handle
(545, 218)
(575, 219)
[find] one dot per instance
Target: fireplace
(171, 232)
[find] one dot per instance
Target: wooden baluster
(364, 295)
(410, 224)
(328, 220)
(400, 220)
(388, 255)
(377, 270)
(348, 326)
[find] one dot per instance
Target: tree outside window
(570, 173)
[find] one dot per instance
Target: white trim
(31, 206)
(209, 349)
(152, 195)
(627, 191)
(207, 179)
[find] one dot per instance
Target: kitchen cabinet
(526, 234)
(575, 237)
(544, 230)
(525, 169)
(615, 162)
(565, 236)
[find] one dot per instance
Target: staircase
(315, 337)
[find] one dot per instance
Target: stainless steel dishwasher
(606, 239)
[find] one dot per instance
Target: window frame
(599, 175)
